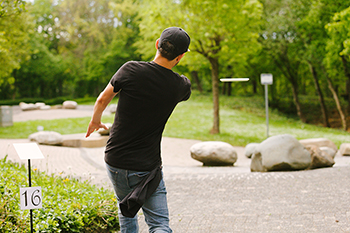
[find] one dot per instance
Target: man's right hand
(101, 103)
(94, 127)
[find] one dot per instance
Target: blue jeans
(155, 208)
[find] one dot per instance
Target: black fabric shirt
(132, 202)
(148, 95)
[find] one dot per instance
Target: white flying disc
(234, 79)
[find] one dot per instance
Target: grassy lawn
(242, 121)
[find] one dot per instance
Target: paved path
(222, 199)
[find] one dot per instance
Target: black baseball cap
(177, 37)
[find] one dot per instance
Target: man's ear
(157, 42)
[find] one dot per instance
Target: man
(149, 92)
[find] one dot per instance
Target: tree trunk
(320, 96)
(337, 102)
(194, 75)
(229, 88)
(347, 74)
(290, 71)
(296, 101)
(214, 62)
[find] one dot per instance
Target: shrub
(69, 205)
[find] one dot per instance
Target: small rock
(214, 153)
(319, 158)
(344, 149)
(47, 138)
(27, 107)
(57, 106)
(103, 131)
(69, 104)
(112, 108)
(319, 142)
(329, 151)
(45, 107)
(39, 104)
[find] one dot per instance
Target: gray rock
(319, 142)
(249, 149)
(344, 149)
(319, 158)
(39, 104)
(57, 106)
(280, 153)
(45, 107)
(214, 153)
(69, 104)
(47, 138)
(42, 106)
(27, 107)
(112, 108)
(329, 151)
(103, 131)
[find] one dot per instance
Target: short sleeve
(187, 88)
(119, 78)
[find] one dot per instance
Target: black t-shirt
(148, 95)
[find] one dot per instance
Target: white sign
(28, 151)
(266, 79)
(31, 198)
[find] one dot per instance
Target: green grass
(242, 121)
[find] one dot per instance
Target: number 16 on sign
(31, 198)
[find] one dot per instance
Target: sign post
(30, 197)
(266, 79)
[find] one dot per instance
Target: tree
(281, 40)
(10, 8)
(338, 53)
(76, 46)
(99, 37)
(14, 25)
(221, 31)
(311, 30)
(46, 72)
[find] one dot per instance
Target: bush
(54, 101)
(68, 204)
(58, 100)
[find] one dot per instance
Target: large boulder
(214, 153)
(280, 153)
(319, 158)
(69, 104)
(47, 138)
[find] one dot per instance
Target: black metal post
(30, 185)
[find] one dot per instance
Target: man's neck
(164, 62)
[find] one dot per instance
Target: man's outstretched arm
(100, 105)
